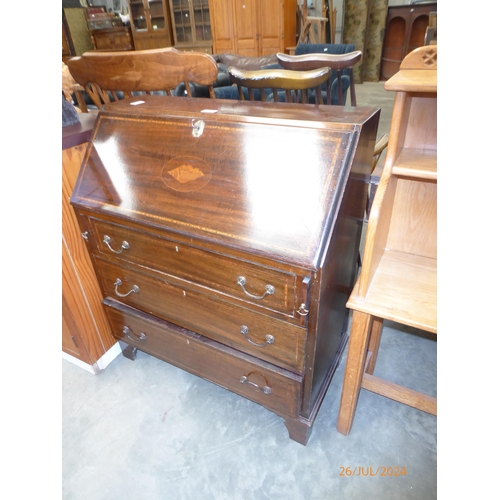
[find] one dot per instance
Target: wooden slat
(417, 164)
(414, 80)
(399, 393)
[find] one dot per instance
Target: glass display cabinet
(150, 24)
(191, 25)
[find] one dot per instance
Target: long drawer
(275, 388)
(268, 338)
(264, 287)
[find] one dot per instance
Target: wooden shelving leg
(374, 343)
(356, 354)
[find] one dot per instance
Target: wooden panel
(289, 24)
(422, 110)
(195, 48)
(221, 19)
(417, 33)
(72, 343)
(145, 42)
(271, 27)
(246, 27)
(80, 288)
(414, 214)
(394, 47)
(209, 359)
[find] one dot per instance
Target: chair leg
(374, 343)
(356, 355)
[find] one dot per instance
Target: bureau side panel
(338, 272)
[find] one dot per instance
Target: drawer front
(261, 382)
(215, 271)
(277, 341)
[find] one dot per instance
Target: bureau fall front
(225, 238)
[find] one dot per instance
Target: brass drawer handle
(132, 336)
(242, 282)
(302, 310)
(107, 241)
(118, 282)
(266, 389)
(245, 331)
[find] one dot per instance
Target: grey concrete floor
(144, 429)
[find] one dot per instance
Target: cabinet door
(246, 27)
(150, 24)
(201, 21)
(138, 16)
(416, 37)
(394, 46)
(271, 29)
(158, 18)
(221, 18)
(191, 23)
(182, 22)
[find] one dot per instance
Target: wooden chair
(280, 80)
(398, 281)
(105, 74)
(339, 64)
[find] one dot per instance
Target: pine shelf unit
(398, 278)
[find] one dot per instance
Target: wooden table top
(79, 133)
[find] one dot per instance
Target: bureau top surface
(257, 177)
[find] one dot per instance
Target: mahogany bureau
(225, 238)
